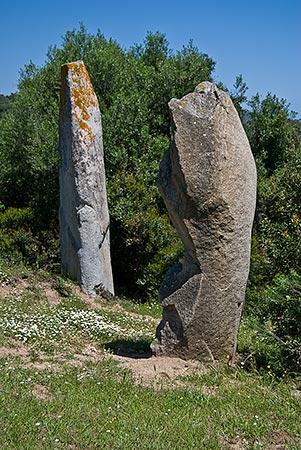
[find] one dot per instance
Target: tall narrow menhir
(208, 182)
(84, 216)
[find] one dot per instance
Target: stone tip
(72, 64)
(200, 100)
(205, 87)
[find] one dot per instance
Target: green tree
(5, 102)
(272, 132)
(238, 95)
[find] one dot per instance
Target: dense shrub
(273, 295)
(23, 239)
(275, 314)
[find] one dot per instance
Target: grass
(99, 406)
(96, 403)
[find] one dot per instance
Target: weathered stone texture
(84, 216)
(208, 182)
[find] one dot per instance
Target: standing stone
(84, 216)
(208, 182)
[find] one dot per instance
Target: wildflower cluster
(89, 322)
(54, 323)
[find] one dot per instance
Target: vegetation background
(133, 87)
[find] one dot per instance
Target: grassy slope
(52, 398)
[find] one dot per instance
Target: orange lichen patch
(82, 96)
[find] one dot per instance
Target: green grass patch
(99, 406)
(74, 403)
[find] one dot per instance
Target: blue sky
(259, 39)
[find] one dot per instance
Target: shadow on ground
(137, 349)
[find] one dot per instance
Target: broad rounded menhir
(208, 182)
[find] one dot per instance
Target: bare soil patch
(5, 290)
(278, 440)
(14, 287)
(17, 286)
(16, 350)
(41, 392)
(52, 295)
(90, 353)
(236, 443)
(209, 391)
(55, 363)
(76, 359)
(160, 371)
